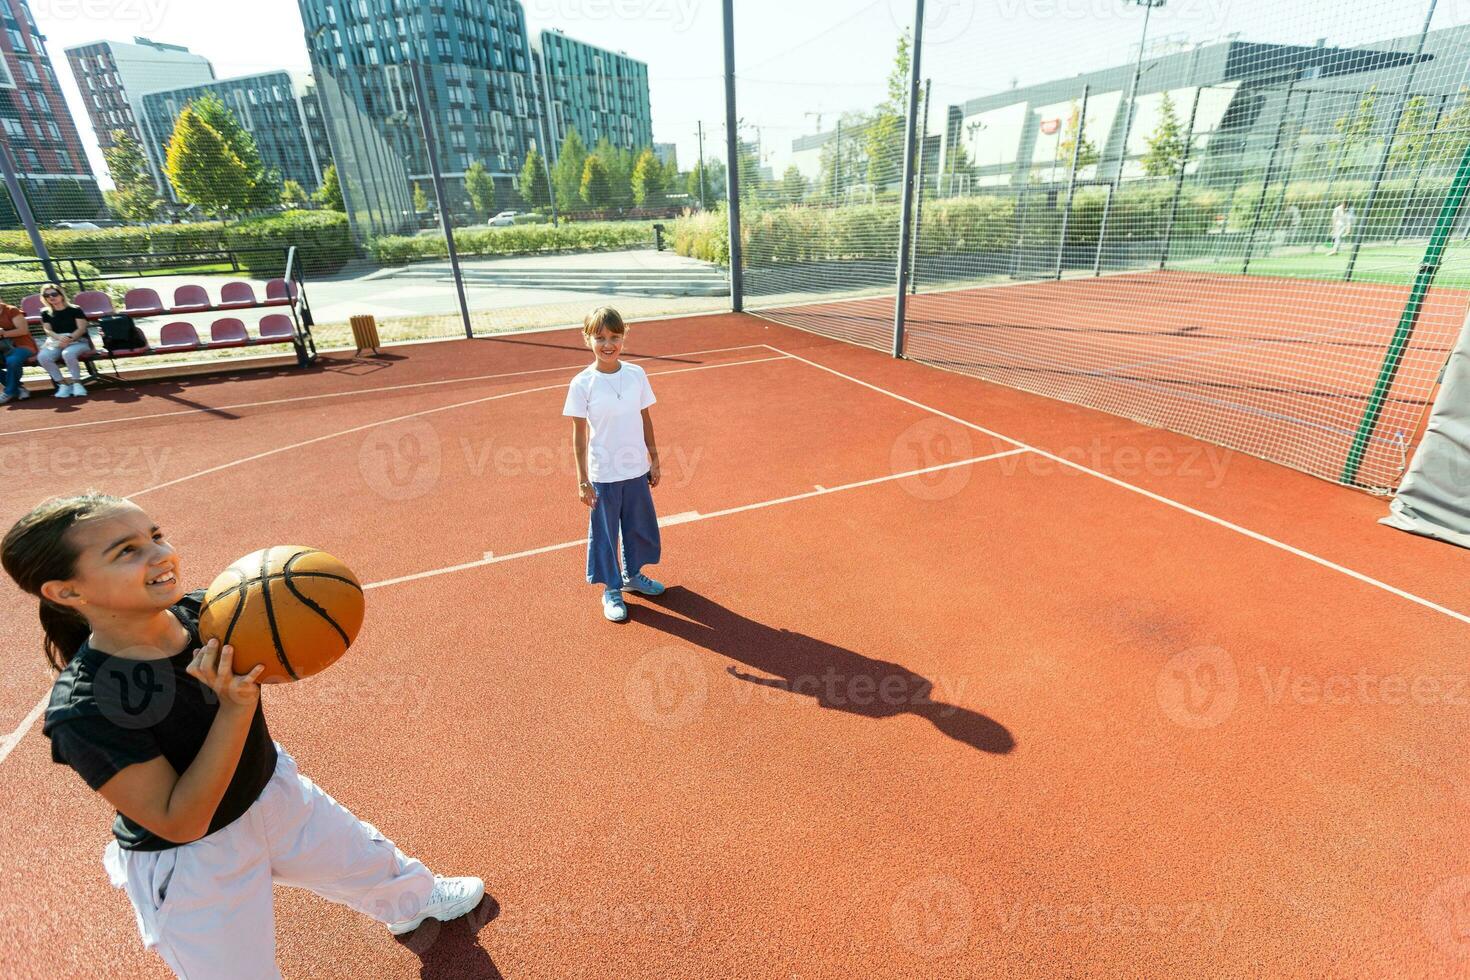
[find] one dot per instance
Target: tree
(135, 197)
(672, 177)
(203, 170)
(648, 179)
(534, 187)
(1416, 129)
(265, 186)
(1167, 145)
(843, 157)
(619, 163)
(292, 194)
(596, 189)
(793, 185)
(1447, 143)
(420, 199)
(884, 133)
(480, 187)
(1074, 140)
(329, 195)
(1353, 131)
(749, 172)
(567, 174)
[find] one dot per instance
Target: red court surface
(1280, 368)
(951, 680)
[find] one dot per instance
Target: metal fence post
(732, 163)
(905, 228)
(420, 97)
(1072, 181)
(23, 211)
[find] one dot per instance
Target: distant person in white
(617, 464)
(1342, 226)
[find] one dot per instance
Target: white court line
(346, 394)
(414, 415)
(689, 517)
(1202, 515)
(13, 739)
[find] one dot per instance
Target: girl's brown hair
(38, 550)
(604, 316)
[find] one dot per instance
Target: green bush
(322, 238)
(30, 273)
(580, 236)
(704, 235)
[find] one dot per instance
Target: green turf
(1393, 264)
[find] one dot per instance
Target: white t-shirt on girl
(613, 404)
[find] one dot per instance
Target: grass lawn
(1393, 264)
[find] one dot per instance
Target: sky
(797, 63)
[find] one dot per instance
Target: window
(64, 159)
(14, 129)
(32, 159)
(28, 69)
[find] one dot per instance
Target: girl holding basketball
(210, 811)
(617, 463)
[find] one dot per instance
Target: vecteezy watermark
(1196, 14)
(1198, 688)
(564, 918)
(668, 687)
(401, 460)
(85, 462)
(944, 20)
(1107, 917)
(931, 443)
(402, 696)
(1365, 687)
(679, 13)
(1127, 462)
(145, 15)
(677, 463)
(1446, 917)
(933, 917)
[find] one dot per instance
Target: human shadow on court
(835, 677)
(452, 950)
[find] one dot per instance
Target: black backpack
(119, 332)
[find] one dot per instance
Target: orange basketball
(294, 609)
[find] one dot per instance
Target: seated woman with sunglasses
(66, 338)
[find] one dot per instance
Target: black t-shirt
(64, 321)
(108, 713)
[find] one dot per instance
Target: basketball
(293, 609)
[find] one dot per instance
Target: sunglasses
(49, 295)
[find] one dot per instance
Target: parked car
(78, 225)
(504, 219)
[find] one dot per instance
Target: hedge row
(1140, 211)
(31, 273)
(322, 238)
(581, 236)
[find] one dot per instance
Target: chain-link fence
(1236, 221)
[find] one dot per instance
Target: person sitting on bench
(14, 354)
(66, 338)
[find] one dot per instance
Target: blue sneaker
(613, 606)
(643, 584)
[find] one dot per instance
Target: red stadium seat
(93, 303)
(236, 296)
(177, 336)
(276, 329)
(190, 299)
(32, 306)
(228, 332)
(278, 292)
(142, 302)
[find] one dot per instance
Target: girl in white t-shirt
(617, 464)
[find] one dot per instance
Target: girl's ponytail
(38, 550)
(66, 631)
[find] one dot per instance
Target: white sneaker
(62, 391)
(24, 393)
(450, 899)
(77, 391)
